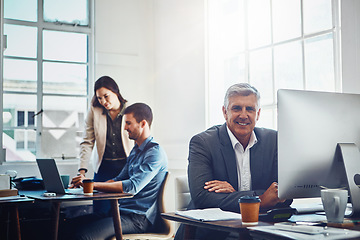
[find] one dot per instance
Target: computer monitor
(318, 140)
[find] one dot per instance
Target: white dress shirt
(243, 160)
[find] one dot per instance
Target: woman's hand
(76, 182)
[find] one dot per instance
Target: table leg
(116, 218)
(55, 223)
(245, 235)
(15, 220)
(189, 232)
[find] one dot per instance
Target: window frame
(212, 115)
(41, 25)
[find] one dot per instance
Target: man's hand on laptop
(76, 182)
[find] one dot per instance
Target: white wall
(154, 49)
(350, 31)
(124, 40)
(179, 75)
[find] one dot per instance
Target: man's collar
(234, 141)
(142, 146)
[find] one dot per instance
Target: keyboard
(76, 191)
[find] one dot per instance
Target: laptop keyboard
(74, 191)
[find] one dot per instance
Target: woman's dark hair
(109, 83)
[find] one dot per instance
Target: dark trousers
(108, 170)
(96, 227)
(202, 234)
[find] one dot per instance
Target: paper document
(308, 205)
(209, 214)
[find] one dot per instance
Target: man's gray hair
(241, 89)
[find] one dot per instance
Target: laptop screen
(50, 175)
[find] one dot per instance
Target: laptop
(51, 177)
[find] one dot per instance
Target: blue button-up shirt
(142, 176)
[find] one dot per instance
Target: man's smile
(242, 123)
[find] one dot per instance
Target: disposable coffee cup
(249, 208)
(88, 186)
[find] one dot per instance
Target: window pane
(260, 74)
(65, 46)
(317, 15)
(64, 67)
(234, 70)
(19, 143)
(286, 19)
(266, 119)
(291, 60)
(20, 147)
(31, 118)
(216, 99)
(66, 11)
(25, 10)
(226, 32)
(25, 144)
(21, 41)
(15, 103)
(259, 23)
(63, 125)
(227, 26)
(288, 66)
(20, 118)
(319, 63)
(20, 75)
(65, 78)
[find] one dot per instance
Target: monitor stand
(351, 158)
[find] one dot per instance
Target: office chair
(165, 228)
(182, 193)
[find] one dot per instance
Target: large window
(46, 71)
(271, 44)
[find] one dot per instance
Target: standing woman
(105, 139)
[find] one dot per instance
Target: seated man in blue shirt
(142, 176)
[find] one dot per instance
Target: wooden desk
(227, 226)
(12, 205)
(237, 226)
(56, 201)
